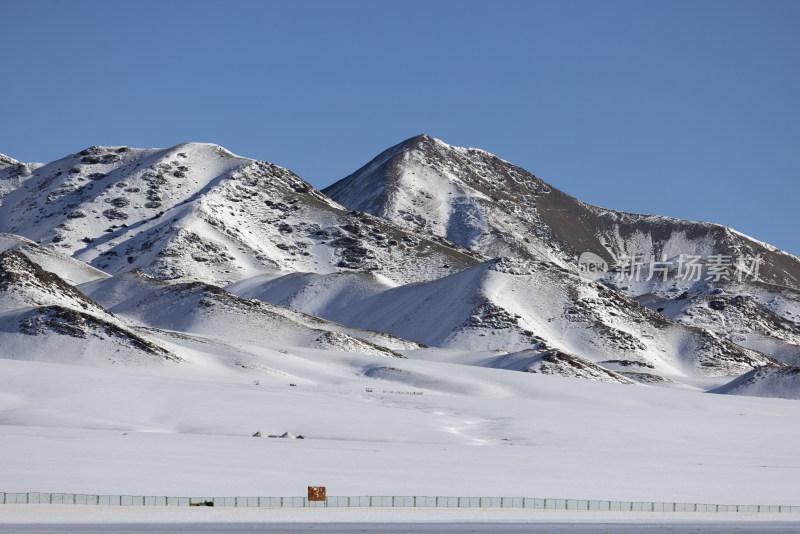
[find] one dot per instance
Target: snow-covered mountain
(491, 206)
(198, 212)
(202, 250)
(498, 209)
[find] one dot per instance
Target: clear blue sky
(688, 109)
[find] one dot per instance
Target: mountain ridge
(526, 217)
(453, 248)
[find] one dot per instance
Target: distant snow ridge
(780, 382)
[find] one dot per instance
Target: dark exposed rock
(73, 323)
(115, 214)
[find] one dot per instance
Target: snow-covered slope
(209, 311)
(554, 362)
(71, 270)
(517, 305)
(64, 335)
(323, 295)
(198, 212)
(780, 382)
(739, 318)
(43, 318)
(25, 284)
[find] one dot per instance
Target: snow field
(186, 430)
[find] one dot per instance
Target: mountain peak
(428, 186)
(5, 161)
(495, 208)
(421, 140)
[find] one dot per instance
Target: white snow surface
(186, 430)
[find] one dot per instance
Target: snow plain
(185, 430)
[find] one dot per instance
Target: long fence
(528, 503)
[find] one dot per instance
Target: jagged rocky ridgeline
(426, 244)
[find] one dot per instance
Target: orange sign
(316, 493)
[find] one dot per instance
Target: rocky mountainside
(491, 206)
(740, 318)
(198, 212)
